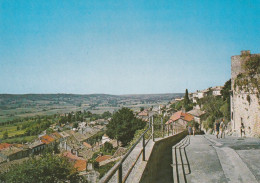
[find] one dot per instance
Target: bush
(108, 147)
(46, 168)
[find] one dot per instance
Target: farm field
(29, 105)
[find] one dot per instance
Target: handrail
(118, 166)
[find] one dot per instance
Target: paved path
(137, 171)
(231, 159)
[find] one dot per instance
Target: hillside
(15, 106)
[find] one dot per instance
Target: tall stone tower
(245, 106)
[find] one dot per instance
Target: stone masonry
(241, 110)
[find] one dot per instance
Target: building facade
(244, 103)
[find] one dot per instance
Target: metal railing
(119, 166)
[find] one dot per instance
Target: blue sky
(122, 47)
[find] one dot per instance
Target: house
(36, 147)
(4, 145)
(180, 118)
(87, 145)
(103, 158)
(47, 140)
(179, 99)
(64, 135)
(197, 114)
(144, 115)
(57, 136)
(79, 163)
(202, 93)
(12, 153)
(216, 91)
(105, 138)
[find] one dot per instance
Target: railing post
(143, 148)
(152, 129)
(120, 174)
(168, 130)
(162, 126)
(172, 128)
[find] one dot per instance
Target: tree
(106, 115)
(47, 168)
(141, 109)
(225, 92)
(75, 125)
(5, 135)
(186, 102)
(186, 98)
(108, 147)
(69, 117)
(123, 125)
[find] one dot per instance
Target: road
(232, 159)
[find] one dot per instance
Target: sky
(122, 47)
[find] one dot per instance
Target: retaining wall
(158, 168)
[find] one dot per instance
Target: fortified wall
(245, 106)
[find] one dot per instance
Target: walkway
(218, 160)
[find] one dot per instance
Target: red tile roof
(80, 165)
(4, 145)
(176, 116)
(143, 113)
(180, 115)
(87, 145)
(71, 156)
(188, 117)
(46, 139)
(56, 135)
(103, 158)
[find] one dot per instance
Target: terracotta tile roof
(143, 113)
(103, 158)
(180, 115)
(87, 145)
(176, 116)
(4, 145)
(56, 135)
(188, 117)
(69, 155)
(46, 139)
(80, 165)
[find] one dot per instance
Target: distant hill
(13, 105)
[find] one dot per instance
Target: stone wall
(244, 105)
(158, 168)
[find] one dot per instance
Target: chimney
(245, 52)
